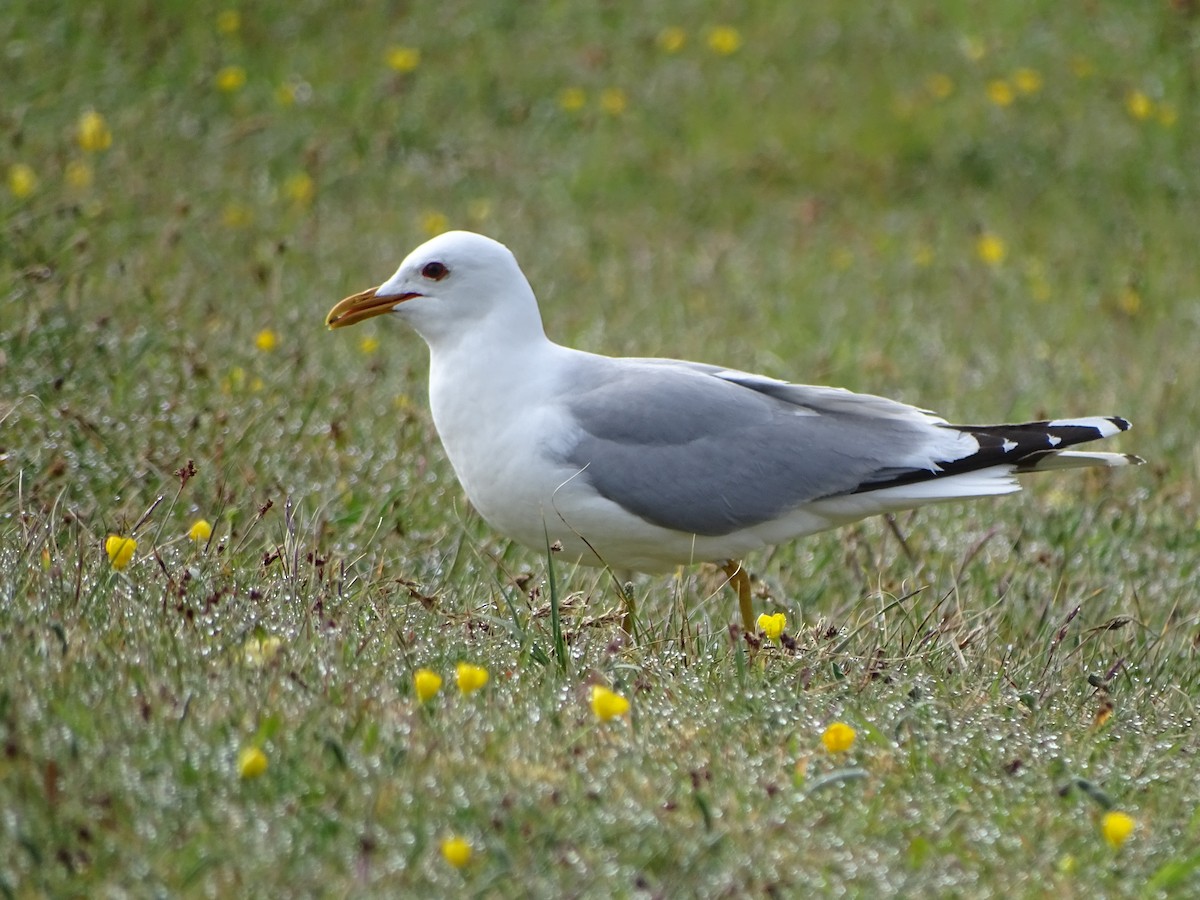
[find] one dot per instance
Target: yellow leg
(740, 582)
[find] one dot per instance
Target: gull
(651, 464)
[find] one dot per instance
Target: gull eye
(435, 271)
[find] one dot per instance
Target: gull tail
(1041, 446)
(1004, 452)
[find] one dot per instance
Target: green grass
(805, 207)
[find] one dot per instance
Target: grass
(809, 206)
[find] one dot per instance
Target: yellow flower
(613, 101)
(1139, 105)
(368, 345)
(470, 678)
(990, 248)
(252, 762)
(939, 85)
(434, 223)
(229, 21)
(606, 704)
(93, 132)
(456, 851)
(201, 530)
(1167, 114)
(300, 188)
(1130, 301)
(724, 40)
(1117, 827)
(1000, 92)
(403, 59)
(1028, 81)
(838, 737)
(22, 180)
(78, 174)
(285, 94)
(671, 39)
(427, 684)
(237, 215)
(266, 340)
(772, 626)
(258, 652)
(46, 560)
(120, 550)
(572, 99)
(230, 79)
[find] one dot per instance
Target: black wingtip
(1122, 424)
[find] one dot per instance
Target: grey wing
(708, 451)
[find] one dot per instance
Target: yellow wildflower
(671, 39)
(237, 215)
(990, 248)
(470, 678)
(613, 101)
(1028, 81)
(403, 59)
(78, 174)
(251, 763)
(434, 223)
(120, 550)
(22, 180)
(572, 99)
(427, 684)
(93, 132)
(368, 345)
(838, 737)
(201, 530)
(46, 560)
(230, 79)
(606, 704)
(285, 94)
(724, 40)
(1130, 301)
(456, 851)
(235, 381)
(1000, 92)
(258, 652)
(1139, 105)
(229, 21)
(266, 340)
(300, 188)
(1117, 827)
(772, 626)
(939, 85)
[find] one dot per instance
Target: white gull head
(455, 286)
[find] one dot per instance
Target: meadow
(229, 539)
